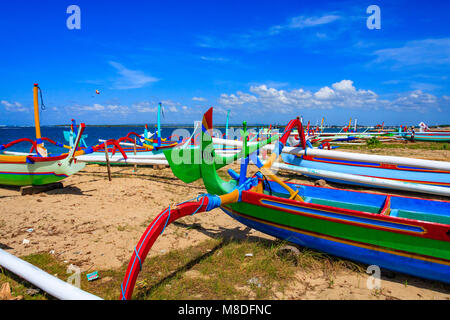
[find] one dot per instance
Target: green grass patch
(373, 143)
(19, 286)
(213, 269)
(216, 269)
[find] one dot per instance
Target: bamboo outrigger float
(404, 234)
(41, 279)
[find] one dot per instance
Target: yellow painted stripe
(14, 159)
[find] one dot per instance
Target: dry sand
(95, 224)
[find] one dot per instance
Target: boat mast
(40, 145)
(159, 124)
(226, 129)
(36, 111)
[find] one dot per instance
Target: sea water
(94, 133)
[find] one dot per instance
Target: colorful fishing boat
(147, 148)
(404, 234)
(17, 170)
(38, 167)
(424, 134)
(396, 169)
(430, 136)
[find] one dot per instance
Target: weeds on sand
(213, 269)
(408, 145)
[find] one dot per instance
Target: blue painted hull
(415, 267)
(359, 168)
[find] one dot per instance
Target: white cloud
(302, 22)
(144, 107)
(344, 86)
(324, 93)
(13, 106)
(199, 99)
(152, 107)
(192, 111)
(96, 107)
(130, 79)
(414, 101)
(342, 94)
(419, 52)
(239, 99)
(267, 38)
(214, 59)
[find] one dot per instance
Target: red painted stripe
(344, 240)
(379, 165)
(432, 230)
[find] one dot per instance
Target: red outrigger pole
(156, 228)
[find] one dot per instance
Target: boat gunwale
(431, 230)
(334, 238)
(374, 165)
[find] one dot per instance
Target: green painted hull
(413, 239)
(38, 173)
(388, 240)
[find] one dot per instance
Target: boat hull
(432, 137)
(370, 169)
(419, 248)
(355, 252)
(38, 173)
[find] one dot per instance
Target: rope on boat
(43, 107)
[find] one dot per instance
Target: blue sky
(266, 61)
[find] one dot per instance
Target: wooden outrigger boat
(38, 168)
(147, 148)
(404, 234)
(395, 169)
(424, 134)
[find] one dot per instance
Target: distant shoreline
(442, 126)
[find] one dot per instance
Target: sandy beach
(94, 223)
